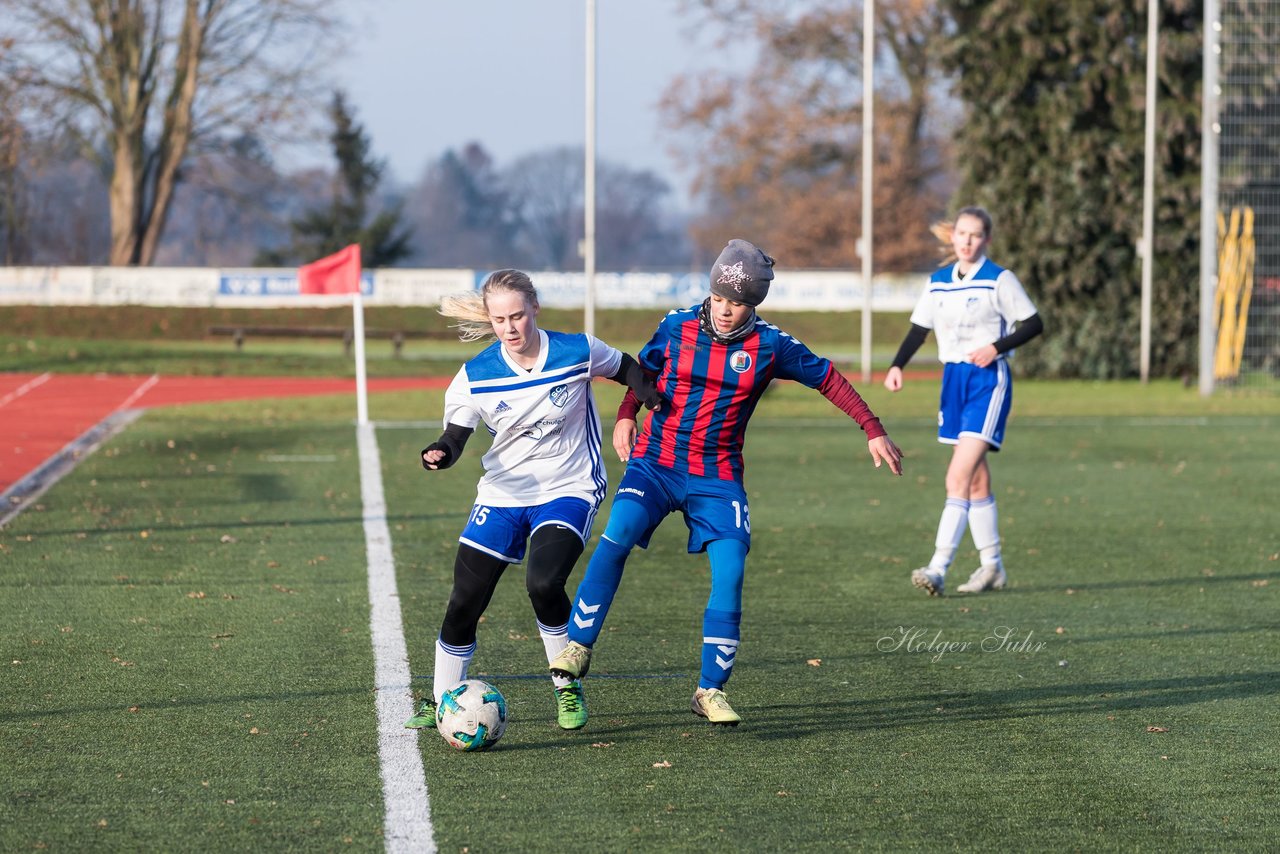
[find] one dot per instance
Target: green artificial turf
(202, 576)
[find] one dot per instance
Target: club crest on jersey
(559, 395)
(740, 361)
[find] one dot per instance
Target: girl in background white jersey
(972, 306)
(544, 475)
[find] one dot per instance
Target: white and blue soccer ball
(472, 715)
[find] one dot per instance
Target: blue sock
(595, 592)
(628, 521)
(720, 634)
(721, 621)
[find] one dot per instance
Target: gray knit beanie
(742, 273)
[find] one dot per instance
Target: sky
(427, 76)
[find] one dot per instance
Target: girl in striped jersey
(712, 363)
(972, 305)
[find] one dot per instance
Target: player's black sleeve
(1025, 331)
(910, 344)
(452, 441)
(633, 376)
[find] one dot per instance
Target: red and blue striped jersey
(711, 389)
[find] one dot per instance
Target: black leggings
(553, 550)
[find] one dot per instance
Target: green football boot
(571, 706)
(425, 715)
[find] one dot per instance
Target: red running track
(40, 414)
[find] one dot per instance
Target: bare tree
(546, 192)
(777, 148)
(143, 82)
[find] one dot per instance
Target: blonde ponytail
(470, 316)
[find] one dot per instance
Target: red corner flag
(338, 273)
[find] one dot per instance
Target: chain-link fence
(1247, 304)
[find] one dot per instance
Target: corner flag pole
(357, 331)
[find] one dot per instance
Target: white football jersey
(968, 312)
(546, 430)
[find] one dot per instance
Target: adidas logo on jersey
(501, 408)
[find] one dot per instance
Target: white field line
(24, 388)
(408, 425)
(407, 821)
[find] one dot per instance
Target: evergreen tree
(1052, 145)
(346, 220)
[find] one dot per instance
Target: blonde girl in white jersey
(544, 474)
(979, 313)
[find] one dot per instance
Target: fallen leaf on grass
(1157, 729)
(197, 594)
(135, 709)
(663, 764)
(814, 662)
(603, 744)
(227, 538)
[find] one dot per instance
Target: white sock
(983, 525)
(950, 531)
(451, 666)
(554, 640)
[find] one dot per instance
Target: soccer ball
(472, 715)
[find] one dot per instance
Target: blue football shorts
(975, 402)
(713, 509)
(504, 531)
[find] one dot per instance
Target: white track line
(24, 388)
(139, 392)
(22, 494)
(407, 823)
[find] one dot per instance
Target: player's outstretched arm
(624, 437)
(638, 383)
(883, 450)
(445, 451)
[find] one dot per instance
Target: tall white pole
(357, 331)
(589, 184)
(1147, 246)
(1209, 131)
(868, 161)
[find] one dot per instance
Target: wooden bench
(397, 337)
